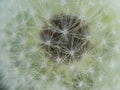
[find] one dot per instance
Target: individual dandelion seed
(65, 37)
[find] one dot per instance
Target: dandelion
(59, 45)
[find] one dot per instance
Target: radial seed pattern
(64, 37)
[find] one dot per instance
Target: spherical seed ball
(65, 37)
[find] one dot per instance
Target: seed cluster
(64, 38)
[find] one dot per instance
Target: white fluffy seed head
(23, 64)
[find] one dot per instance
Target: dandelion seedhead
(65, 37)
(59, 45)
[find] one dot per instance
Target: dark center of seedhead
(64, 38)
